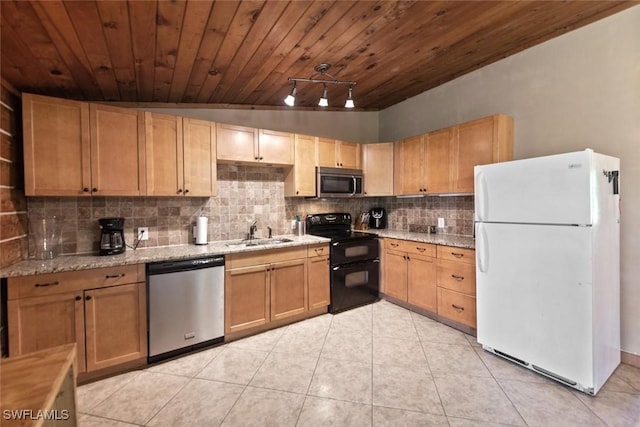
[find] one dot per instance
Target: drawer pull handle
(457, 255)
(394, 245)
(457, 307)
(114, 276)
(421, 249)
(459, 278)
(319, 251)
(44, 285)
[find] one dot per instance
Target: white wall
(580, 90)
(346, 125)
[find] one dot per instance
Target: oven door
(355, 284)
(350, 250)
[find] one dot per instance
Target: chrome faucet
(252, 229)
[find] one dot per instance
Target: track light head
(349, 102)
(324, 102)
(290, 100)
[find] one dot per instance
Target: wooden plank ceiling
(241, 53)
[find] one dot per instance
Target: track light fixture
(324, 78)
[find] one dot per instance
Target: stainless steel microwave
(338, 182)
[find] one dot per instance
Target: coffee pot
(112, 237)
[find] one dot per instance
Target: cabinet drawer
(317, 250)
(70, 281)
(457, 254)
(457, 307)
(410, 246)
(457, 276)
(246, 259)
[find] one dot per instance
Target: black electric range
(354, 260)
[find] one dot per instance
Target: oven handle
(351, 241)
(354, 264)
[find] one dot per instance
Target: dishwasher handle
(164, 267)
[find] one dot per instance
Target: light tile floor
(378, 365)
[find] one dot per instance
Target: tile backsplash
(245, 194)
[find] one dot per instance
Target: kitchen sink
(258, 242)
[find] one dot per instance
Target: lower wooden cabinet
(274, 285)
(105, 317)
(410, 272)
(318, 268)
(115, 325)
(457, 285)
(439, 279)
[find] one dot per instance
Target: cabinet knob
(255, 158)
(85, 190)
(259, 158)
(297, 192)
(94, 190)
(186, 191)
(88, 297)
(179, 190)
(78, 298)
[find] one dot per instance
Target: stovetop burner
(335, 226)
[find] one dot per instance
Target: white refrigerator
(548, 265)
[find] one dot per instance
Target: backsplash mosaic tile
(245, 194)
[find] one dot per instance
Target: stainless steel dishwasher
(186, 305)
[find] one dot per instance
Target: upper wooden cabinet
(300, 180)
(442, 161)
(180, 156)
(240, 144)
(334, 153)
(377, 165)
(74, 148)
(479, 142)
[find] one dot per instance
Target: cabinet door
(43, 322)
(327, 153)
(117, 151)
(236, 143)
(246, 298)
(395, 274)
(348, 155)
(377, 165)
(300, 180)
(199, 145)
(473, 146)
(421, 282)
(164, 157)
(56, 147)
(438, 161)
(275, 147)
(116, 325)
(289, 295)
(410, 166)
(318, 282)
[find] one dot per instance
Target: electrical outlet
(293, 224)
(143, 233)
(440, 222)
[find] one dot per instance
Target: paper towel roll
(201, 230)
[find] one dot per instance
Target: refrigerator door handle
(481, 195)
(482, 255)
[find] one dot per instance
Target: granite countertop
(144, 255)
(436, 239)
(165, 253)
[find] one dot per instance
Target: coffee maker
(112, 238)
(377, 218)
